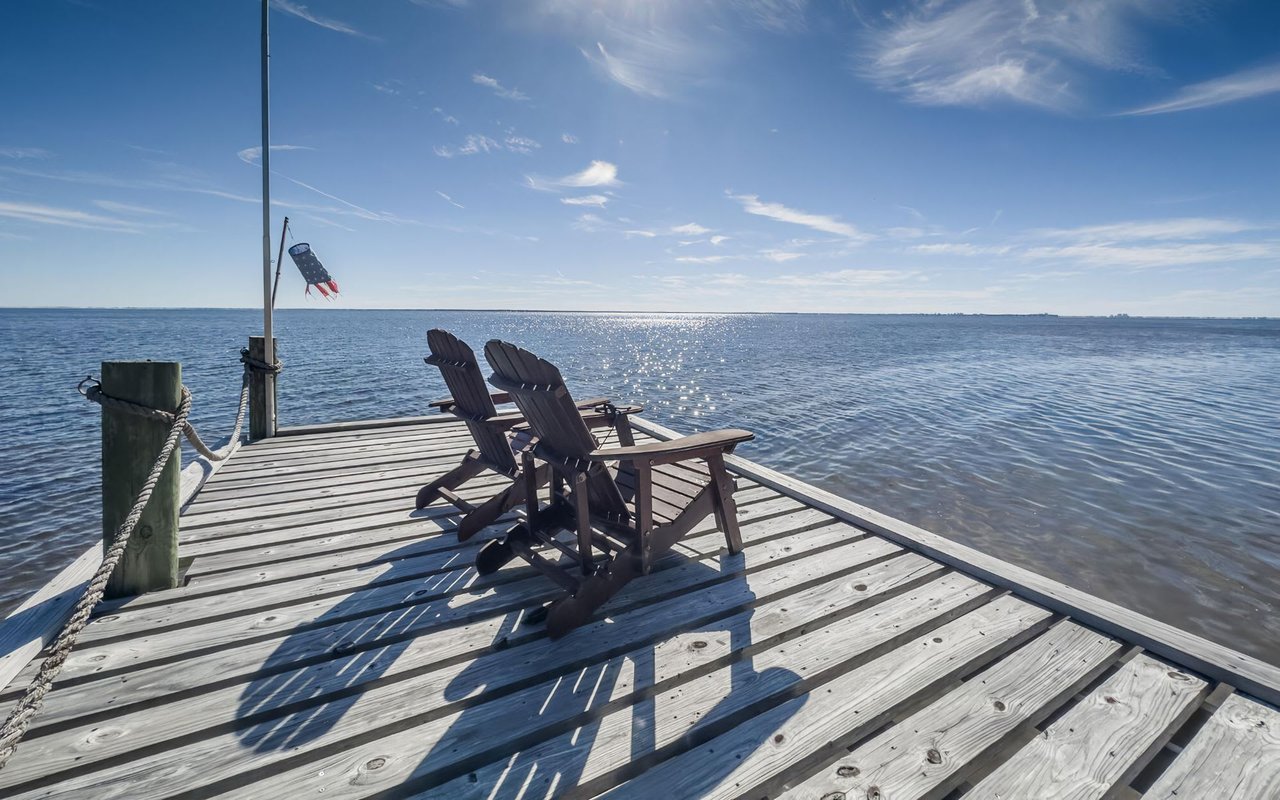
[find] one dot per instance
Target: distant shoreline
(976, 314)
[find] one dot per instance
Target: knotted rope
(15, 726)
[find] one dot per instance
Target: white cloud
(449, 118)
(1177, 228)
(1140, 244)
(1156, 255)
(597, 173)
(1229, 89)
(643, 234)
(719, 240)
(568, 138)
(635, 74)
(597, 200)
(961, 249)
(449, 199)
(25, 152)
(702, 259)
(843, 277)
(498, 89)
(690, 229)
(65, 217)
(974, 52)
(302, 12)
(252, 155)
(479, 143)
(819, 222)
(127, 208)
(384, 88)
(781, 256)
(779, 16)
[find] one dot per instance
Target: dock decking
(331, 642)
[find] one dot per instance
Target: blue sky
(1086, 157)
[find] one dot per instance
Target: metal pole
(268, 336)
(279, 262)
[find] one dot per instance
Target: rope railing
(19, 720)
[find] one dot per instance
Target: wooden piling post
(130, 444)
(258, 385)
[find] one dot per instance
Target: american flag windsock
(313, 272)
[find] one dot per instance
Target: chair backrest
(538, 390)
(472, 402)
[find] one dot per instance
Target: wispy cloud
(449, 118)
(25, 153)
(1147, 256)
(819, 222)
(253, 155)
(479, 143)
(1177, 228)
(640, 76)
(843, 277)
(596, 200)
(65, 217)
(690, 229)
(597, 173)
(385, 88)
(961, 249)
(498, 89)
(1137, 244)
(702, 259)
(129, 208)
(302, 12)
(568, 138)
(1219, 91)
(974, 52)
(781, 256)
(718, 239)
(449, 199)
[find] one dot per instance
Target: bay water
(1136, 459)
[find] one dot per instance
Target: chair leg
(567, 613)
(726, 509)
(582, 521)
(468, 469)
(489, 511)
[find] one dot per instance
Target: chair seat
(674, 487)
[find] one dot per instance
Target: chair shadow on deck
(534, 731)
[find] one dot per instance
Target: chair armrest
(682, 449)
(445, 403)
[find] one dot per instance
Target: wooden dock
(330, 642)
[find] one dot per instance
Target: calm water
(1135, 459)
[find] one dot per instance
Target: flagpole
(268, 335)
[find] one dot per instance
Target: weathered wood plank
(766, 747)
(31, 626)
(681, 714)
(253, 458)
(354, 590)
(1188, 650)
(360, 424)
(203, 762)
(919, 754)
(35, 623)
(1235, 756)
(319, 462)
(225, 572)
(701, 677)
(86, 689)
(1098, 743)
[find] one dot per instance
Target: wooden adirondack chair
(632, 513)
(496, 441)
